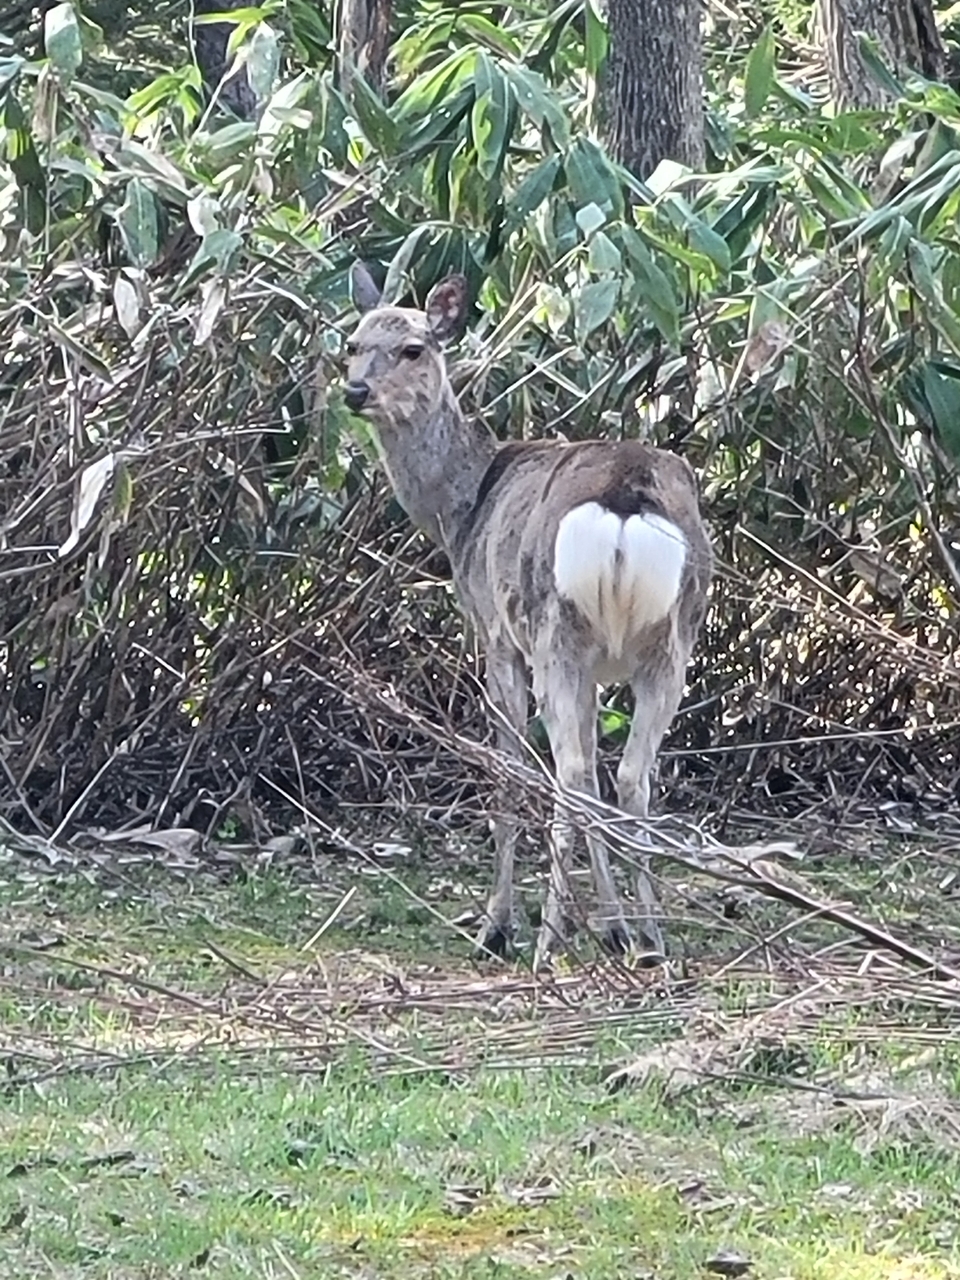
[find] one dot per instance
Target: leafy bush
(195, 550)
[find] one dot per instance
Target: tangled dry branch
(188, 566)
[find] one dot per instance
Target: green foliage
(797, 306)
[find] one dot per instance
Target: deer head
(395, 366)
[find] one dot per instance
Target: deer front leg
(655, 704)
(568, 704)
(507, 690)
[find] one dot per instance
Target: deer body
(582, 564)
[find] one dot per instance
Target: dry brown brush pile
(203, 584)
(175, 623)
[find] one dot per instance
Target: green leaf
(419, 98)
(942, 393)
(876, 64)
(263, 60)
(9, 70)
(400, 263)
(331, 114)
(893, 245)
(17, 146)
(440, 123)
(706, 241)
(552, 307)
(372, 116)
(603, 255)
(698, 263)
(590, 218)
(594, 306)
(310, 30)
(247, 15)
(540, 103)
(532, 191)
(591, 177)
(827, 197)
(614, 724)
(655, 286)
(543, 50)
(486, 32)
(740, 220)
(853, 194)
(759, 75)
(136, 160)
(217, 250)
(923, 275)
(595, 42)
(138, 224)
(61, 39)
(490, 117)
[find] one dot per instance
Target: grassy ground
(198, 1085)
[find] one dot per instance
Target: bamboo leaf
(61, 39)
(759, 75)
(595, 38)
(213, 293)
(602, 254)
(137, 221)
(655, 286)
(533, 190)
(942, 394)
(263, 60)
(539, 102)
(126, 303)
(372, 116)
(591, 177)
(92, 481)
(594, 306)
(490, 117)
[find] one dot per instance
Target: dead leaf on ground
(728, 1262)
(539, 1192)
(183, 841)
(40, 941)
(680, 1065)
(460, 1199)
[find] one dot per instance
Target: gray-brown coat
(583, 564)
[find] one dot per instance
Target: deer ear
(365, 293)
(447, 306)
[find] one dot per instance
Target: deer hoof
(647, 949)
(616, 939)
(494, 940)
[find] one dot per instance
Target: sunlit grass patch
(197, 1083)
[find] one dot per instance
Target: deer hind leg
(507, 689)
(568, 703)
(656, 699)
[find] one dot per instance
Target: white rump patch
(623, 575)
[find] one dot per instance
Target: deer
(579, 564)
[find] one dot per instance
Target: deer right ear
(447, 306)
(365, 293)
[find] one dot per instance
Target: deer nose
(355, 394)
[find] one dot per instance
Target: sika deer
(585, 563)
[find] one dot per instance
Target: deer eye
(351, 348)
(413, 352)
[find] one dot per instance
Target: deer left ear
(447, 306)
(365, 293)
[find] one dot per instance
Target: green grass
(265, 1117)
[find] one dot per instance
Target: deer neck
(435, 463)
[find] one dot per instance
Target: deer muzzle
(355, 395)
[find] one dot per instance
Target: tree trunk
(907, 39)
(364, 41)
(652, 96)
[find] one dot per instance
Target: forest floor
(240, 1072)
